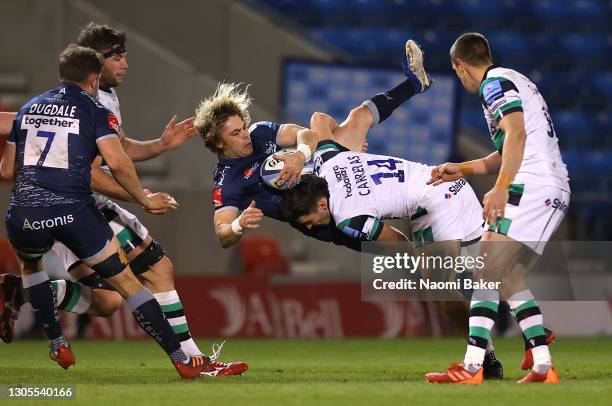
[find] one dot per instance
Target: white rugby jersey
(504, 91)
(110, 100)
(362, 184)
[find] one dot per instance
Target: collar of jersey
(73, 86)
(108, 90)
(230, 161)
(484, 77)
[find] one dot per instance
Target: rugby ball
(271, 168)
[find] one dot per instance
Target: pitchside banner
(263, 307)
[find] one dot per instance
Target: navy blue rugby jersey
(56, 135)
(237, 184)
(237, 179)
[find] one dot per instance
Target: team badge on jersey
(113, 122)
(217, 200)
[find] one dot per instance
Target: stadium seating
(335, 89)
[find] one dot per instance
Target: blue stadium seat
(560, 55)
(552, 9)
(577, 130)
(331, 6)
(474, 118)
(350, 41)
(584, 44)
(291, 7)
(367, 44)
(481, 14)
(589, 14)
(587, 9)
(484, 9)
(595, 163)
(518, 15)
(585, 94)
(429, 14)
(549, 52)
(333, 13)
(603, 122)
(436, 44)
(604, 84)
(510, 48)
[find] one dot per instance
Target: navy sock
(42, 300)
(150, 318)
(383, 104)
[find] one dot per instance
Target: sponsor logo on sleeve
(492, 91)
(113, 122)
(499, 103)
(217, 199)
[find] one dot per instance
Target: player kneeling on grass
(50, 151)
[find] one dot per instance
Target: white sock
(474, 356)
(542, 360)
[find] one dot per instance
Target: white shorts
(125, 225)
(449, 211)
(532, 215)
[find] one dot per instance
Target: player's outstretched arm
(229, 226)
(124, 172)
(450, 172)
(6, 122)
(174, 135)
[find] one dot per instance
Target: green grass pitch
(317, 372)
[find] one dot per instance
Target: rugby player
(355, 192)
(147, 258)
(239, 200)
(519, 222)
(50, 150)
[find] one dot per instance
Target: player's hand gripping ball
(272, 167)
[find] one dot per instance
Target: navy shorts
(81, 227)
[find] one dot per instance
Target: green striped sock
(529, 317)
(173, 310)
(71, 297)
(483, 312)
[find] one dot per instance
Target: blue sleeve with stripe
(364, 228)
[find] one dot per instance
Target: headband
(119, 49)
